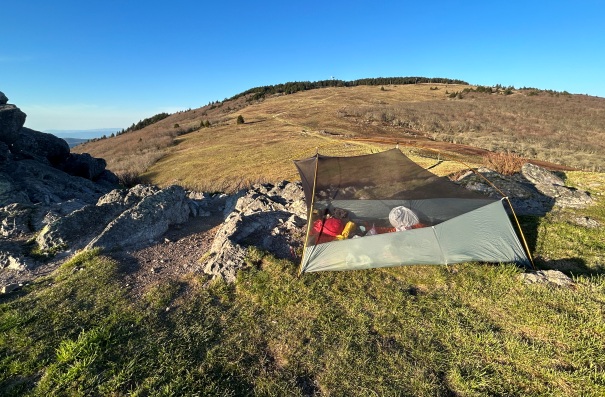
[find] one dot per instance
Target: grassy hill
(565, 129)
(458, 330)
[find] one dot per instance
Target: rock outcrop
(119, 219)
(533, 191)
(40, 146)
(147, 220)
(36, 167)
(270, 217)
(65, 201)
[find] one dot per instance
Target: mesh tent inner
(369, 187)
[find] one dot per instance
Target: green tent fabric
(350, 199)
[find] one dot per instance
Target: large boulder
(48, 185)
(11, 121)
(540, 176)
(533, 191)
(84, 165)
(40, 146)
(3, 99)
(269, 217)
(146, 221)
(550, 185)
(78, 228)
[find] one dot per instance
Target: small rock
(9, 288)
(586, 222)
(18, 263)
(551, 277)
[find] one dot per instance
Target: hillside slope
(556, 127)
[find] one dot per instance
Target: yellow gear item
(349, 228)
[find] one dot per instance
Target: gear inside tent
(383, 209)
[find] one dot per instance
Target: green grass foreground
(464, 330)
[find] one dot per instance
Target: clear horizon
(85, 65)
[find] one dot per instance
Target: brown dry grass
(505, 163)
(346, 121)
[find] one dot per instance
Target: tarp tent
(382, 210)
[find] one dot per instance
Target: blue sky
(98, 64)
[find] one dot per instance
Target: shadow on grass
(570, 266)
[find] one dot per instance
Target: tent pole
(525, 245)
(310, 214)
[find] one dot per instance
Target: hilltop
(544, 126)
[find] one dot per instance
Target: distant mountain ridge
(83, 134)
(72, 142)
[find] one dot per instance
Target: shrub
(129, 179)
(504, 163)
(240, 119)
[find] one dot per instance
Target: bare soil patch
(176, 254)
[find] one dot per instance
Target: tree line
(296, 86)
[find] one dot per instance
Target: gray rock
(550, 277)
(8, 288)
(107, 179)
(146, 221)
(84, 165)
(11, 121)
(586, 222)
(535, 191)
(13, 261)
(44, 184)
(128, 197)
(5, 153)
(17, 220)
(226, 262)
(19, 263)
(40, 146)
(81, 226)
(540, 176)
(202, 204)
(11, 192)
(263, 217)
(3, 99)
(566, 197)
(78, 228)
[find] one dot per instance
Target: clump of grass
(505, 163)
(129, 178)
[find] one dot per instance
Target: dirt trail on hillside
(449, 148)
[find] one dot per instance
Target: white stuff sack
(402, 218)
